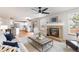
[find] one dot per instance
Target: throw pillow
(9, 36)
(13, 44)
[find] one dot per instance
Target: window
(74, 24)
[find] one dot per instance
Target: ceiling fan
(41, 10)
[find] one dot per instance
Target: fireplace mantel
(55, 24)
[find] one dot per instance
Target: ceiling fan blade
(45, 12)
(34, 9)
(45, 9)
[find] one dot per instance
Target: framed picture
(54, 19)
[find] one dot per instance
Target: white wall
(5, 21)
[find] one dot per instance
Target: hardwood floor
(23, 34)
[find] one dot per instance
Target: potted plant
(40, 36)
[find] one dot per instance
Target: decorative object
(40, 36)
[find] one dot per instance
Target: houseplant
(40, 36)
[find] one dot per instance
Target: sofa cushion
(9, 36)
(13, 44)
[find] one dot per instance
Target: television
(54, 19)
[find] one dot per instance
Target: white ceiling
(22, 12)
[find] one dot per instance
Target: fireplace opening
(54, 32)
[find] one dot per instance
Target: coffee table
(41, 44)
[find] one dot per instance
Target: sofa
(20, 48)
